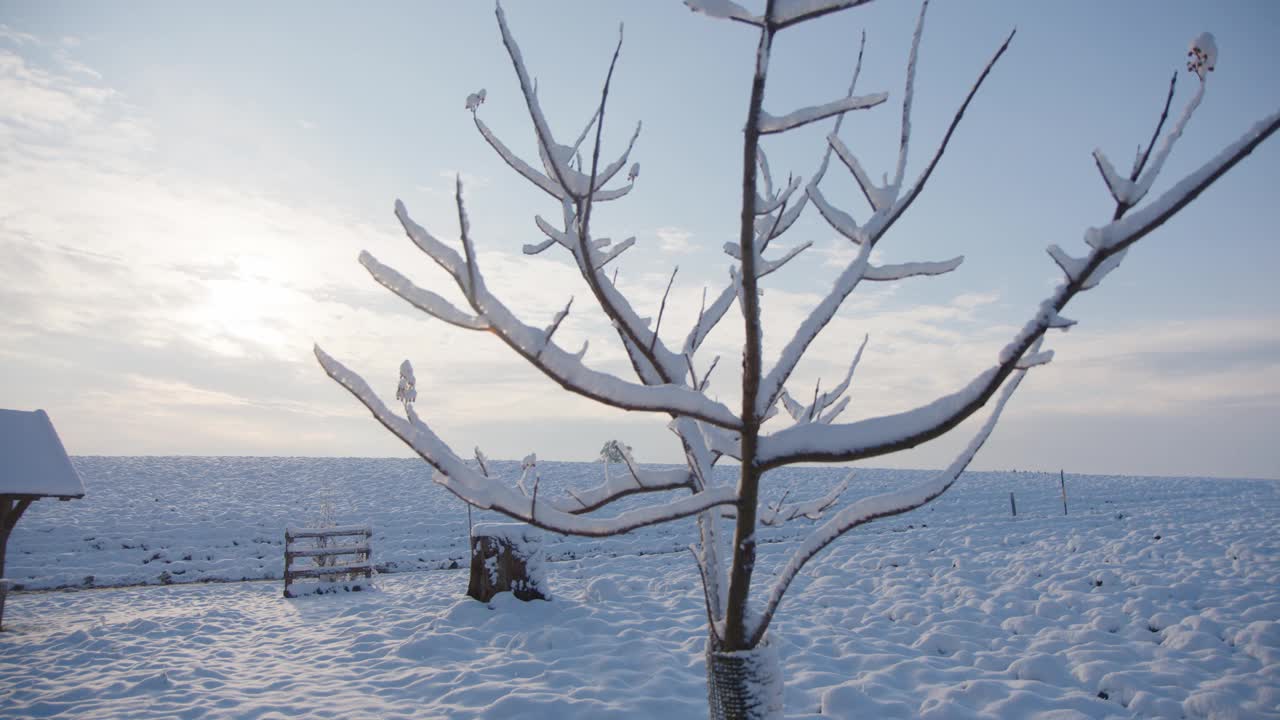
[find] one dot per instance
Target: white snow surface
(1155, 597)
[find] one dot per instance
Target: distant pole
(1062, 481)
(1013, 506)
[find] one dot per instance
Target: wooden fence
(331, 561)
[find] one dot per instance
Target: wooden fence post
(1062, 480)
(1013, 506)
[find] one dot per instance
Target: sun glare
(245, 314)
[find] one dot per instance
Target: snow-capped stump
(507, 557)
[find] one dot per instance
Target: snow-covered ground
(1153, 598)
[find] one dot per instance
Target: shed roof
(32, 459)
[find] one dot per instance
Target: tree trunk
(506, 557)
(744, 685)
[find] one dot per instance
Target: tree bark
(507, 560)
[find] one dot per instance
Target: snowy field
(1153, 598)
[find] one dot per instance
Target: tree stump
(506, 557)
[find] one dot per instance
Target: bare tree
(744, 675)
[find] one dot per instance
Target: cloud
(1170, 368)
(18, 38)
(674, 240)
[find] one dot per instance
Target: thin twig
(1122, 208)
(661, 309)
(901, 206)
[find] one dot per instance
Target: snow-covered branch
(709, 317)
(578, 191)
(724, 10)
(790, 12)
(781, 512)
(771, 385)
(488, 493)
(1129, 191)
(423, 299)
(890, 433)
(814, 412)
(903, 271)
(770, 124)
(880, 506)
(634, 481)
(866, 237)
(536, 346)
(559, 178)
(785, 12)
(887, 202)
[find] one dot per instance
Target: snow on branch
(779, 514)
(531, 249)
(614, 252)
(1035, 359)
(912, 269)
(578, 191)
(1143, 183)
(1129, 191)
(560, 179)
(1072, 267)
(880, 506)
(908, 95)
(881, 435)
(888, 214)
(423, 299)
(536, 346)
(890, 209)
(839, 220)
(765, 207)
(878, 197)
(765, 267)
(771, 385)
(771, 124)
(790, 12)
(709, 317)
(490, 494)
(724, 10)
(1136, 225)
(816, 412)
(616, 487)
(1120, 187)
(551, 187)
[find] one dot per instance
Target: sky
(184, 190)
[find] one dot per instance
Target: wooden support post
(1062, 480)
(1013, 506)
(11, 508)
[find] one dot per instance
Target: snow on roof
(32, 459)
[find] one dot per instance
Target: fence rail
(325, 556)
